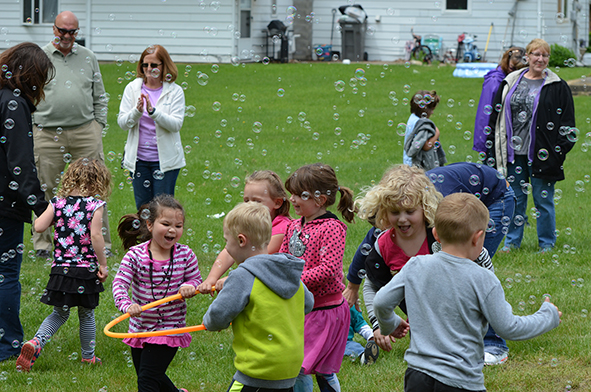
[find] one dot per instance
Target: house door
(245, 43)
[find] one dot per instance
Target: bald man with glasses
(68, 125)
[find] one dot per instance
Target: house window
(39, 11)
(457, 5)
(562, 7)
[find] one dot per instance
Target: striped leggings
(59, 316)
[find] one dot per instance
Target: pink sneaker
(29, 353)
(92, 361)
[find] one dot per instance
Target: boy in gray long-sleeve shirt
(450, 301)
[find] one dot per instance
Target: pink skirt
(325, 338)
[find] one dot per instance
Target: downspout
(89, 24)
(540, 32)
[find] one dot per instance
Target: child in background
(368, 354)
(155, 269)
(319, 239)
(79, 265)
(265, 301)
(421, 140)
(450, 301)
(264, 187)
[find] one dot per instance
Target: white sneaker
(495, 359)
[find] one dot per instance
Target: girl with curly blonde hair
(79, 265)
(402, 208)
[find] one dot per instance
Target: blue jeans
(10, 288)
(353, 349)
(543, 194)
(502, 208)
(146, 187)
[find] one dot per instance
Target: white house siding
(181, 26)
(120, 28)
(13, 31)
(386, 39)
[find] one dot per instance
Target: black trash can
(277, 28)
(353, 25)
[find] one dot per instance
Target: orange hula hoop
(162, 332)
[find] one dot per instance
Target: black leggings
(415, 380)
(150, 364)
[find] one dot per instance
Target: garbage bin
(353, 25)
(277, 29)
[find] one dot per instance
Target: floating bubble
(526, 188)
(516, 143)
(9, 123)
(474, 180)
(401, 129)
(518, 220)
(339, 85)
(543, 154)
(257, 127)
(216, 106)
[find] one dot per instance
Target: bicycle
(419, 51)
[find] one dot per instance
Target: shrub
(560, 56)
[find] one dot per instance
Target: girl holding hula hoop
(155, 269)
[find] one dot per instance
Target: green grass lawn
(304, 119)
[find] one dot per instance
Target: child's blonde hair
(320, 179)
(459, 216)
(252, 220)
(276, 189)
(89, 177)
(402, 186)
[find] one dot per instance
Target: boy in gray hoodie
(451, 300)
(265, 301)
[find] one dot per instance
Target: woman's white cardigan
(168, 116)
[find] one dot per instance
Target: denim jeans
(543, 194)
(10, 288)
(500, 212)
(502, 208)
(353, 349)
(146, 187)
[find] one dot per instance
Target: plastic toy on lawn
(162, 332)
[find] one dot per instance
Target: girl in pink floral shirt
(79, 264)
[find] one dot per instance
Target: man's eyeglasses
(64, 31)
(544, 55)
(152, 65)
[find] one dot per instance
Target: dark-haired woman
(25, 71)
(152, 111)
(512, 60)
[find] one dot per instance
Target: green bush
(560, 56)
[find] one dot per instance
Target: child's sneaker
(29, 353)
(372, 351)
(92, 361)
(183, 390)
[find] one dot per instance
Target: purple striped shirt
(134, 272)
